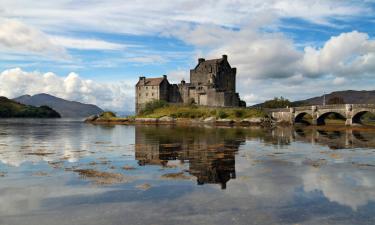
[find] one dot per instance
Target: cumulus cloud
(347, 54)
(114, 96)
(272, 55)
(17, 37)
(272, 61)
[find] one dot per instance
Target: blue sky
(94, 51)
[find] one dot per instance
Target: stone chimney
(225, 57)
(164, 76)
(142, 80)
(200, 60)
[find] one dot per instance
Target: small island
(161, 112)
(13, 109)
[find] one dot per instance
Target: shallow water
(68, 172)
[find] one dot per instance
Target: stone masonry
(212, 83)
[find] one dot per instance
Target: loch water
(66, 172)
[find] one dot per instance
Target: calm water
(68, 172)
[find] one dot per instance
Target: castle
(212, 83)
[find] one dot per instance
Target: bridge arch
(356, 119)
(321, 119)
(299, 117)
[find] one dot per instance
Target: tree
(336, 101)
(277, 103)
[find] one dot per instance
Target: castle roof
(210, 62)
(151, 81)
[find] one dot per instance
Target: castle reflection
(209, 152)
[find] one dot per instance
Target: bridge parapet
(351, 112)
(363, 105)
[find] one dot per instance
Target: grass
(192, 112)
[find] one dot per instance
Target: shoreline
(183, 121)
(254, 122)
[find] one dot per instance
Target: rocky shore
(183, 121)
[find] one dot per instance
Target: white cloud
(213, 28)
(347, 54)
(114, 96)
(177, 76)
(145, 17)
(339, 81)
(19, 38)
(85, 44)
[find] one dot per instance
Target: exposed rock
(91, 118)
(166, 119)
(210, 120)
(146, 120)
(176, 176)
(256, 120)
(143, 187)
(225, 122)
(101, 178)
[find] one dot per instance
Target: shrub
(150, 107)
(221, 114)
(107, 115)
(238, 113)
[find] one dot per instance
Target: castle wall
(145, 94)
(213, 83)
(164, 91)
(174, 94)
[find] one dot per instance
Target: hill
(10, 108)
(349, 97)
(67, 109)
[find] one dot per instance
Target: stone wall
(351, 112)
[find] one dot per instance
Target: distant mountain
(349, 97)
(10, 109)
(67, 109)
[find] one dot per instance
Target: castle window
(146, 87)
(139, 95)
(152, 87)
(146, 94)
(152, 94)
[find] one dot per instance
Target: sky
(94, 51)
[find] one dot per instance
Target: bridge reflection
(334, 139)
(210, 152)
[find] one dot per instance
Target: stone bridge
(351, 112)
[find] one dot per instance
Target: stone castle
(212, 83)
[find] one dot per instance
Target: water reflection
(209, 152)
(270, 176)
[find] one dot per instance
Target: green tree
(277, 103)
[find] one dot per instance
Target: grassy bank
(157, 110)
